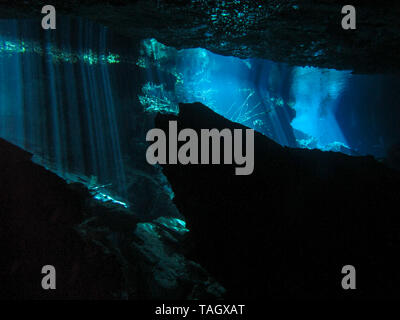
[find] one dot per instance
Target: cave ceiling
(297, 32)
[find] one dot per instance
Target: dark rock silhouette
(99, 250)
(38, 213)
(288, 229)
(393, 156)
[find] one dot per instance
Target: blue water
(82, 98)
(303, 107)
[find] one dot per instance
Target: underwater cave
(77, 102)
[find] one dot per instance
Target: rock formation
(99, 250)
(289, 228)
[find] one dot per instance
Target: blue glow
(58, 102)
(9, 47)
(295, 106)
(317, 92)
(156, 99)
(174, 224)
(76, 102)
(107, 198)
(243, 91)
